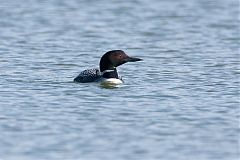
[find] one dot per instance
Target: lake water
(181, 102)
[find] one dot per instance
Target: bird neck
(110, 73)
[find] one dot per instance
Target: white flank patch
(111, 81)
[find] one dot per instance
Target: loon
(108, 72)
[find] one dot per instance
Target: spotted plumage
(89, 75)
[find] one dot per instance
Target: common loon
(108, 72)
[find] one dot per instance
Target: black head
(115, 58)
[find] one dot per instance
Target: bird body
(107, 72)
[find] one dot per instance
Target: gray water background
(181, 102)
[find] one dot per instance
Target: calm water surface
(181, 102)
